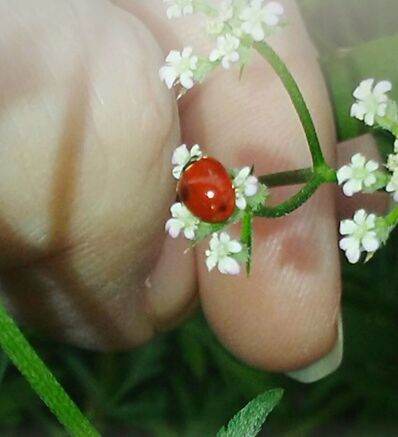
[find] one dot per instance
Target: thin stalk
(313, 178)
(284, 178)
(297, 99)
(294, 202)
(41, 379)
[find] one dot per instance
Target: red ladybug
(206, 190)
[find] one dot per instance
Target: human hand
(87, 131)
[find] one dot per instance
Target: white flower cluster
(366, 232)
(371, 100)
(235, 25)
(224, 253)
(359, 235)
(358, 175)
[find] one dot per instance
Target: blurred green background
(185, 383)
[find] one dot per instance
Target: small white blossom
(371, 101)
(357, 175)
(227, 50)
(221, 254)
(180, 67)
(182, 156)
(359, 236)
(392, 186)
(182, 221)
(216, 25)
(246, 185)
(178, 8)
(256, 18)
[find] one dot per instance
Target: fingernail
(326, 365)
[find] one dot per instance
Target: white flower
(222, 250)
(371, 102)
(360, 236)
(179, 68)
(182, 156)
(183, 220)
(216, 25)
(246, 185)
(392, 186)
(178, 8)
(227, 50)
(358, 174)
(256, 17)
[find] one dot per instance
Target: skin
(86, 134)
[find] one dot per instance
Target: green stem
(247, 237)
(321, 172)
(321, 175)
(293, 177)
(297, 99)
(293, 203)
(41, 379)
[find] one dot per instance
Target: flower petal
(173, 227)
(382, 87)
(229, 266)
(353, 255)
(364, 89)
(360, 217)
(234, 246)
(211, 261)
(347, 227)
(344, 173)
(370, 243)
(240, 202)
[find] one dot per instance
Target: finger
(377, 203)
(86, 130)
(284, 316)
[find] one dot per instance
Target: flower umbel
(359, 236)
(221, 254)
(182, 156)
(246, 185)
(217, 25)
(371, 101)
(182, 221)
(357, 175)
(178, 8)
(257, 18)
(226, 51)
(179, 68)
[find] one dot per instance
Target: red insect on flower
(206, 189)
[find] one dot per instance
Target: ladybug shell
(206, 190)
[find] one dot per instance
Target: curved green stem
(41, 379)
(297, 99)
(312, 177)
(293, 203)
(315, 179)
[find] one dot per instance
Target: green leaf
(250, 419)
